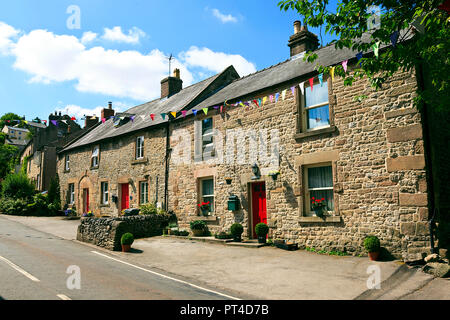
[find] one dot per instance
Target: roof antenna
(170, 63)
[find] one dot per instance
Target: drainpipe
(428, 159)
(166, 174)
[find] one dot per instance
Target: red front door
(125, 197)
(258, 204)
(86, 200)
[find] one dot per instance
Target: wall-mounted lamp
(256, 172)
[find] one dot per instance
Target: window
(207, 192)
(105, 192)
(71, 193)
(143, 187)
(140, 147)
(207, 135)
(67, 163)
(316, 113)
(319, 184)
(95, 157)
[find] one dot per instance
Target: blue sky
(118, 54)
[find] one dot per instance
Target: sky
(75, 56)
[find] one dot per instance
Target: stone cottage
(260, 148)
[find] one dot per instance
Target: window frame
(200, 192)
(139, 150)
(307, 194)
(67, 163)
(104, 192)
(143, 200)
(71, 191)
(95, 160)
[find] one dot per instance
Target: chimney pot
(176, 73)
(302, 40)
(110, 105)
(297, 26)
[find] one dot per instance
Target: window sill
(328, 219)
(139, 161)
(94, 168)
(106, 205)
(203, 218)
(324, 131)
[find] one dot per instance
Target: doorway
(85, 200)
(125, 196)
(259, 210)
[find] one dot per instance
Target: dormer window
(95, 157)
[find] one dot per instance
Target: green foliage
(198, 225)
(18, 207)
(236, 229)
(7, 157)
(429, 45)
(148, 208)
(127, 239)
(17, 186)
(372, 244)
(262, 229)
(54, 194)
(330, 253)
(223, 235)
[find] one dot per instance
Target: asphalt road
(38, 266)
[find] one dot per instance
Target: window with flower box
(318, 180)
(206, 192)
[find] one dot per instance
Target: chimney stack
(106, 113)
(90, 121)
(171, 85)
(302, 40)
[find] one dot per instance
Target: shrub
(372, 244)
(223, 235)
(148, 208)
(54, 195)
(127, 239)
(17, 207)
(198, 225)
(183, 233)
(236, 229)
(17, 186)
(262, 229)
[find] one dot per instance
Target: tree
(7, 157)
(11, 116)
(416, 32)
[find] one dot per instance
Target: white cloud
(79, 112)
(115, 34)
(88, 36)
(216, 61)
(224, 18)
(6, 33)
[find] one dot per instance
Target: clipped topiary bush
(198, 225)
(262, 229)
(372, 244)
(127, 239)
(236, 231)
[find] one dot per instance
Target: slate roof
(174, 103)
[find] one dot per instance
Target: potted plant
(262, 230)
(126, 241)
(372, 245)
(236, 231)
(319, 206)
(205, 208)
(274, 174)
(198, 227)
(88, 214)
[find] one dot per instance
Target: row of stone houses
(258, 149)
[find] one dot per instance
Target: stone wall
(107, 232)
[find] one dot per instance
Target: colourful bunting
(344, 65)
(320, 76)
(132, 118)
(55, 123)
(194, 111)
(142, 117)
(183, 112)
(255, 102)
(293, 90)
(302, 87)
(271, 98)
(359, 56)
(221, 109)
(216, 107)
(205, 110)
(332, 73)
(259, 102)
(163, 115)
(152, 116)
(103, 120)
(73, 119)
(264, 100)
(283, 94)
(277, 96)
(174, 114)
(241, 104)
(311, 83)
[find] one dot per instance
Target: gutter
(166, 173)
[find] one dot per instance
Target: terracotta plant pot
(374, 255)
(126, 247)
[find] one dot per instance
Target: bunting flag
(205, 110)
(221, 109)
(55, 123)
(332, 73)
(277, 96)
(241, 104)
(293, 90)
(152, 116)
(216, 107)
(264, 100)
(163, 115)
(174, 114)
(226, 103)
(311, 83)
(247, 103)
(259, 102)
(73, 119)
(283, 94)
(320, 76)
(344, 65)
(93, 118)
(194, 112)
(65, 121)
(183, 112)
(103, 120)
(45, 121)
(394, 38)
(376, 47)
(359, 56)
(302, 87)
(132, 118)
(143, 117)
(271, 98)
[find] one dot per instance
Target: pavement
(267, 272)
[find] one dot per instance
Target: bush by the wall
(148, 208)
(17, 186)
